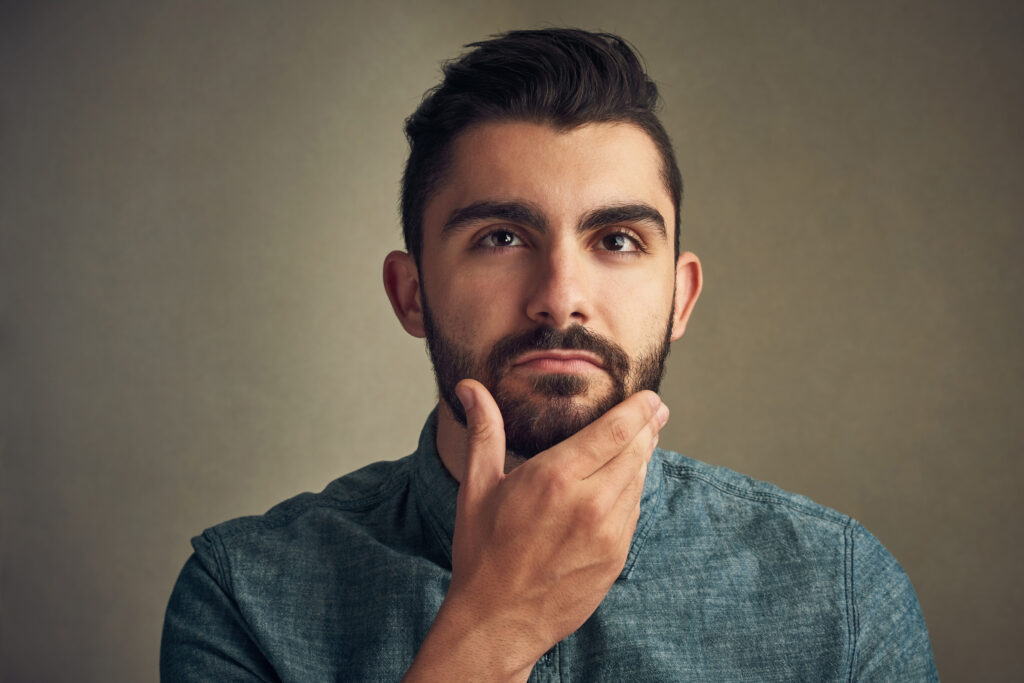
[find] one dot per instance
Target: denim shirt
(727, 579)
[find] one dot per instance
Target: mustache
(547, 338)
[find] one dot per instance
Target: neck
(453, 444)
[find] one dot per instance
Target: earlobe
(689, 280)
(402, 284)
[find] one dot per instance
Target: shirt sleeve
(890, 637)
(205, 637)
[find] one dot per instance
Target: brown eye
(499, 239)
(618, 242)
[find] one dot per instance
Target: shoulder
(731, 520)
(299, 523)
(739, 499)
(718, 513)
(688, 481)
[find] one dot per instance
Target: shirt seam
(223, 565)
(394, 481)
(852, 624)
(285, 513)
(222, 561)
(812, 509)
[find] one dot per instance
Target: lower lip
(573, 366)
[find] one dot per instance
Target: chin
(553, 409)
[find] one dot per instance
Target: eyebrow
(623, 213)
(523, 213)
(519, 213)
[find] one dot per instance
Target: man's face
(548, 273)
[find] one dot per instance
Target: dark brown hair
(561, 77)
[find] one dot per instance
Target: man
(537, 532)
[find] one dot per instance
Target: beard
(554, 408)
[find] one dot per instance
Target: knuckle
(607, 539)
(559, 483)
(635, 453)
(590, 513)
(481, 430)
(619, 432)
(592, 450)
(555, 481)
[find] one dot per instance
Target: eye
(620, 242)
(499, 239)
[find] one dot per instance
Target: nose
(559, 296)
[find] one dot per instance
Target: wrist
(466, 642)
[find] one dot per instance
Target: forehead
(563, 173)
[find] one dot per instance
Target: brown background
(195, 199)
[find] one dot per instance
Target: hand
(535, 551)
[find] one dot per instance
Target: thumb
(485, 435)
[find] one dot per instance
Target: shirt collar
(435, 492)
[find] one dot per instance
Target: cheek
(632, 308)
(481, 299)
(471, 321)
(641, 333)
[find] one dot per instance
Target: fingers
(627, 507)
(628, 502)
(617, 472)
(485, 431)
(620, 482)
(596, 445)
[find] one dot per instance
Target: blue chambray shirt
(727, 579)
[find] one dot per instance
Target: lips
(545, 350)
(560, 360)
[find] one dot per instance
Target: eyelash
(481, 243)
(638, 244)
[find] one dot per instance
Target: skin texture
(528, 230)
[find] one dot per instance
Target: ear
(402, 283)
(689, 281)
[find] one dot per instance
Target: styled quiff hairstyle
(563, 78)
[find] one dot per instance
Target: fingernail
(662, 414)
(465, 397)
(654, 399)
